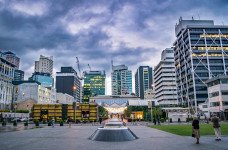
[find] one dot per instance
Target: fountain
(113, 131)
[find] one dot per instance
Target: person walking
(159, 123)
(70, 122)
(100, 120)
(53, 122)
(154, 121)
(195, 129)
(216, 126)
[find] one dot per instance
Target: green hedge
(17, 111)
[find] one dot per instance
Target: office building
(12, 58)
(218, 96)
(44, 78)
(64, 98)
(200, 54)
(44, 65)
(94, 84)
(18, 75)
(67, 81)
(143, 80)
(27, 91)
(6, 78)
(121, 80)
(165, 79)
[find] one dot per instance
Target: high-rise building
(143, 80)
(44, 65)
(12, 58)
(165, 79)
(200, 54)
(44, 78)
(67, 81)
(94, 84)
(18, 75)
(121, 80)
(7, 72)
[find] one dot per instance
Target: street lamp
(74, 87)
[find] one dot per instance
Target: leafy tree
(102, 112)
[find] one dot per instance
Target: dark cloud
(131, 32)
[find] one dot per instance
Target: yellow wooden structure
(64, 111)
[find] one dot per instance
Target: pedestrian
(216, 126)
(122, 118)
(100, 120)
(159, 122)
(195, 129)
(53, 122)
(154, 121)
(69, 121)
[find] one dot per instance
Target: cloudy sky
(131, 32)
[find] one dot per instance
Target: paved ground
(64, 138)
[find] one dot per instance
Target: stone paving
(65, 138)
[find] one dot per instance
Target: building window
(214, 94)
(224, 92)
(214, 104)
(204, 106)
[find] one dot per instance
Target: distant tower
(121, 80)
(12, 58)
(44, 65)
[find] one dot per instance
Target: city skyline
(131, 32)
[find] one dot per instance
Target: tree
(157, 112)
(102, 112)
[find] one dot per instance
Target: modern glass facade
(18, 75)
(94, 84)
(200, 52)
(43, 78)
(121, 80)
(143, 80)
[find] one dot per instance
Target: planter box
(25, 124)
(61, 124)
(3, 124)
(14, 124)
(37, 124)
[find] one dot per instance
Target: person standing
(154, 121)
(70, 122)
(216, 126)
(53, 122)
(195, 128)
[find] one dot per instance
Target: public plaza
(77, 137)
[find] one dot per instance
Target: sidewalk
(76, 137)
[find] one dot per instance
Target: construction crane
(81, 77)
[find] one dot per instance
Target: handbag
(193, 134)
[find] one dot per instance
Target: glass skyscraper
(121, 80)
(94, 84)
(200, 53)
(44, 78)
(143, 80)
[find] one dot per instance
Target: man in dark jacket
(216, 126)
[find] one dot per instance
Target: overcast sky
(131, 32)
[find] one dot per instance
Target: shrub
(44, 121)
(15, 123)
(166, 118)
(36, 122)
(170, 120)
(26, 123)
(4, 122)
(49, 122)
(61, 122)
(179, 120)
(162, 119)
(129, 120)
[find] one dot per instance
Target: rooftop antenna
(199, 16)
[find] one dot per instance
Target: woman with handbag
(195, 129)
